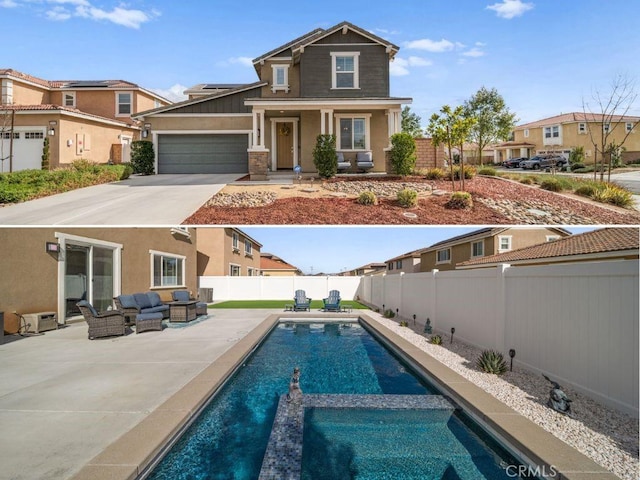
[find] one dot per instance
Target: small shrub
(585, 190)
(588, 169)
(436, 340)
(402, 155)
(526, 180)
(45, 154)
(490, 171)
(407, 198)
(576, 166)
(469, 173)
(459, 201)
(551, 184)
(324, 156)
(435, 174)
(614, 195)
(404, 323)
(367, 198)
(142, 157)
(389, 313)
(491, 361)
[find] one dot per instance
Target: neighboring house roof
(512, 144)
(73, 112)
(211, 88)
(479, 234)
(578, 117)
(412, 254)
(269, 261)
(598, 244)
(195, 101)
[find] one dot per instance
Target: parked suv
(546, 161)
(514, 162)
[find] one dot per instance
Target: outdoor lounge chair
(301, 302)
(343, 164)
(332, 302)
(105, 324)
(364, 161)
(184, 296)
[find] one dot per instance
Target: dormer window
(280, 78)
(69, 99)
(344, 70)
(124, 102)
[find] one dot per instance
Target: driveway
(139, 200)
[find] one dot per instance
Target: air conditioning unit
(41, 322)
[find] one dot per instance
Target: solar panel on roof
(219, 86)
(88, 83)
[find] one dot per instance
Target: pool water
(229, 439)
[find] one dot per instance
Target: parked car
(514, 162)
(539, 161)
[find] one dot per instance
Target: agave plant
(491, 361)
(436, 340)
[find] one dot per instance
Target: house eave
(586, 257)
(315, 103)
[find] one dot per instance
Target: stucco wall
(216, 253)
(29, 95)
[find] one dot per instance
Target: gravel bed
(242, 199)
(380, 188)
(535, 212)
(608, 437)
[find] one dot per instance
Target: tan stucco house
(328, 81)
(82, 120)
(560, 134)
(227, 252)
(272, 265)
(406, 263)
(51, 269)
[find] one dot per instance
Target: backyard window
(504, 244)
(344, 67)
(552, 238)
(248, 249)
(477, 249)
(443, 256)
(353, 133)
(234, 270)
(390, 266)
(70, 99)
(123, 103)
(167, 270)
(235, 242)
(280, 78)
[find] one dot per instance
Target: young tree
(451, 128)
(410, 123)
(609, 110)
(494, 120)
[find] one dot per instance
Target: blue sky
(335, 249)
(543, 56)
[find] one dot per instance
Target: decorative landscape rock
(242, 199)
(381, 189)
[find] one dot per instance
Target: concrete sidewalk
(139, 201)
(64, 398)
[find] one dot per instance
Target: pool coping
(136, 451)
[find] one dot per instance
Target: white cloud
(419, 62)
(8, 4)
(474, 52)
(174, 93)
(510, 8)
(58, 14)
(400, 66)
(119, 16)
(433, 46)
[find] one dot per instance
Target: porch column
(326, 122)
(257, 141)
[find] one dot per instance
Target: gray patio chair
(301, 302)
(343, 165)
(364, 161)
(332, 302)
(105, 324)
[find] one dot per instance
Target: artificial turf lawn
(315, 304)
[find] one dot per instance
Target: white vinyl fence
(578, 323)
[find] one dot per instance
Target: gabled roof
(479, 234)
(318, 34)
(606, 242)
(269, 261)
(578, 117)
(412, 254)
(204, 98)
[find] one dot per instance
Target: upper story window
(280, 78)
(124, 104)
(248, 247)
(628, 127)
(234, 270)
(157, 103)
(504, 243)
(582, 128)
(552, 132)
(606, 127)
(69, 99)
(235, 242)
(477, 249)
(552, 238)
(353, 132)
(390, 266)
(526, 133)
(398, 264)
(344, 70)
(443, 256)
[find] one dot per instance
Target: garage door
(27, 149)
(203, 153)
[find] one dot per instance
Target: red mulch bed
(430, 211)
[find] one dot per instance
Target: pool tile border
(135, 451)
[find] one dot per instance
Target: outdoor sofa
(132, 305)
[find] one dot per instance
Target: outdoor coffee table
(183, 311)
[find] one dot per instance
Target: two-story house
(227, 252)
(81, 119)
(445, 255)
(328, 81)
(560, 134)
(406, 263)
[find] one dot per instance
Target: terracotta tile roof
(65, 83)
(24, 76)
(268, 263)
(577, 117)
(57, 108)
(606, 240)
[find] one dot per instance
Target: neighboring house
(328, 81)
(51, 269)
(81, 119)
(227, 252)
(406, 263)
(599, 245)
(562, 133)
(480, 243)
(368, 269)
(271, 265)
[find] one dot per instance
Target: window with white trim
(69, 99)
(552, 132)
(235, 242)
(552, 238)
(353, 133)
(582, 128)
(167, 269)
(157, 103)
(606, 127)
(477, 249)
(33, 135)
(628, 127)
(344, 70)
(252, 272)
(248, 247)
(526, 133)
(280, 78)
(234, 270)
(390, 266)
(504, 243)
(443, 256)
(124, 104)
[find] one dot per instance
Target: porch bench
(132, 305)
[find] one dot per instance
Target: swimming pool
(230, 437)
